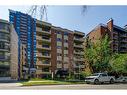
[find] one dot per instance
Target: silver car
(122, 79)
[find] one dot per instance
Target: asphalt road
(18, 86)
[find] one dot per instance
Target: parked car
(98, 78)
(122, 79)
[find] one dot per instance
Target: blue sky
(71, 17)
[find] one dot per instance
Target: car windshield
(95, 74)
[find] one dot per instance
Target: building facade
(118, 36)
(58, 51)
(8, 51)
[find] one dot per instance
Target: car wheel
(111, 81)
(96, 81)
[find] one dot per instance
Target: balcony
(79, 66)
(66, 59)
(115, 37)
(123, 51)
(115, 42)
(38, 71)
(76, 72)
(4, 31)
(43, 47)
(115, 33)
(123, 45)
(79, 33)
(123, 35)
(124, 40)
(78, 59)
(43, 55)
(43, 39)
(5, 49)
(78, 46)
(59, 58)
(4, 58)
(78, 39)
(39, 30)
(79, 52)
(43, 63)
(5, 39)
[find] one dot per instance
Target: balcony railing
(40, 38)
(4, 58)
(44, 63)
(42, 31)
(124, 40)
(79, 52)
(78, 46)
(78, 59)
(44, 47)
(79, 66)
(5, 49)
(123, 35)
(38, 71)
(123, 45)
(43, 55)
(4, 30)
(78, 39)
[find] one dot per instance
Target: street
(18, 86)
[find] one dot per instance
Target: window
(65, 41)
(2, 45)
(59, 62)
(45, 53)
(59, 39)
(65, 55)
(45, 45)
(65, 33)
(59, 47)
(65, 48)
(58, 32)
(65, 62)
(59, 54)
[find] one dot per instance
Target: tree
(98, 54)
(119, 63)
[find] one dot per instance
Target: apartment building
(23, 66)
(58, 50)
(25, 27)
(78, 53)
(117, 35)
(43, 45)
(8, 51)
(49, 49)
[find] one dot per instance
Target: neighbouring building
(118, 36)
(8, 51)
(25, 27)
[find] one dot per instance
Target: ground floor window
(4, 69)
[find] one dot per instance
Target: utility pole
(38, 11)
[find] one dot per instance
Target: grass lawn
(33, 82)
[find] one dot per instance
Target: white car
(122, 79)
(98, 78)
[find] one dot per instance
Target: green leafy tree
(98, 54)
(102, 55)
(119, 63)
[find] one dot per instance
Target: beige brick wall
(14, 54)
